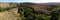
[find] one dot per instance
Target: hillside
(44, 7)
(49, 10)
(29, 11)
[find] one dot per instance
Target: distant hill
(41, 7)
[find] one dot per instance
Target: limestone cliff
(11, 14)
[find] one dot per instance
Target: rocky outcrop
(7, 16)
(7, 4)
(10, 14)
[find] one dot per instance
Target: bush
(5, 9)
(27, 12)
(42, 17)
(55, 13)
(2, 9)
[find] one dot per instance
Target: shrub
(27, 12)
(55, 13)
(2, 9)
(5, 9)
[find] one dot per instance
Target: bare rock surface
(8, 15)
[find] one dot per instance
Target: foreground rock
(9, 15)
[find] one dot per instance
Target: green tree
(27, 12)
(55, 13)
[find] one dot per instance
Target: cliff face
(7, 16)
(7, 4)
(10, 14)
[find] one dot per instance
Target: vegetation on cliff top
(6, 9)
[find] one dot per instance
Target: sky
(9, 0)
(35, 1)
(40, 1)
